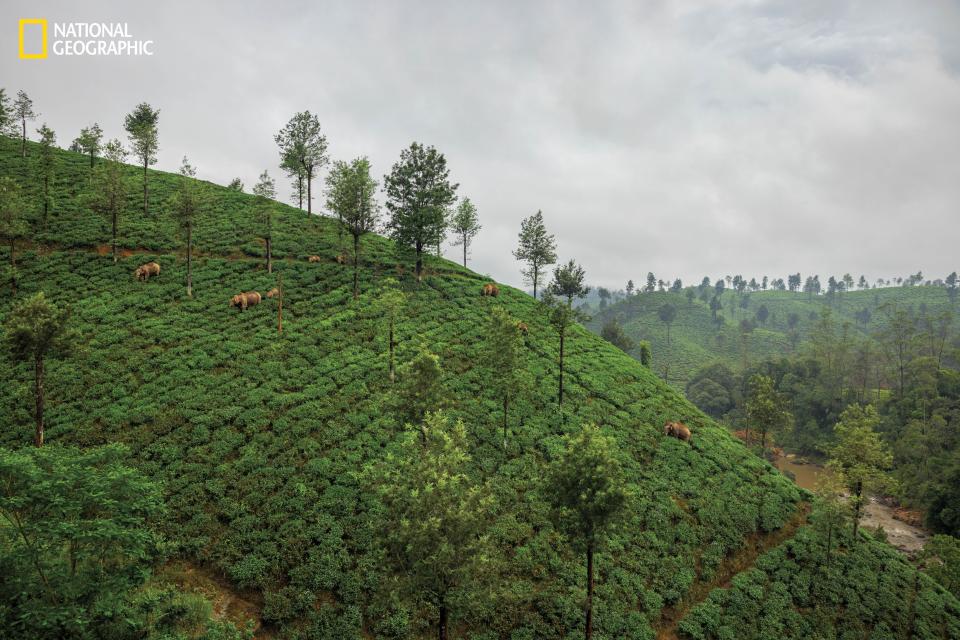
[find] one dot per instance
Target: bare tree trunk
(589, 630)
(464, 252)
(145, 208)
(356, 266)
(419, 268)
(38, 397)
(443, 622)
(23, 139)
(269, 255)
(391, 344)
(560, 393)
(189, 260)
(858, 493)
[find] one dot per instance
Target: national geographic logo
(79, 39)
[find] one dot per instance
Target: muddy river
(901, 535)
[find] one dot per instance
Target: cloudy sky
(685, 138)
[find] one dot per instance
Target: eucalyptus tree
(186, 208)
(537, 248)
(419, 192)
(46, 168)
(13, 224)
(110, 189)
(89, 142)
(37, 329)
(465, 226)
(303, 150)
(587, 491)
(141, 127)
(264, 192)
(568, 285)
(23, 111)
(350, 194)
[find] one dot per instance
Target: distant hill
(697, 340)
(258, 438)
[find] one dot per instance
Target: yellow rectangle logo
(43, 38)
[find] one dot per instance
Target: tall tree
(651, 285)
(537, 248)
(630, 287)
(860, 458)
(23, 111)
(465, 226)
(568, 284)
(303, 148)
(46, 169)
(434, 533)
(37, 329)
(186, 208)
(421, 386)
(350, 194)
(667, 313)
(391, 303)
(89, 141)
(953, 286)
(236, 185)
(264, 192)
(613, 333)
(766, 409)
(13, 225)
(419, 192)
(585, 486)
(141, 127)
(110, 189)
(504, 357)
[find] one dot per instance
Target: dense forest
(384, 443)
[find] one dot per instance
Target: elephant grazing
(144, 271)
(678, 430)
(490, 289)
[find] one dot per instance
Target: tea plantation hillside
(260, 439)
(696, 339)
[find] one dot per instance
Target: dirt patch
(755, 546)
(228, 603)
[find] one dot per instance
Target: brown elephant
(678, 430)
(245, 300)
(144, 271)
(490, 289)
(313, 259)
(273, 293)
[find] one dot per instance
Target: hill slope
(258, 438)
(696, 340)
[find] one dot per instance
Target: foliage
(465, 226)
(537, 249)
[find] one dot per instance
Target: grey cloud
(688, 139)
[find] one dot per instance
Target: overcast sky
(683, 138)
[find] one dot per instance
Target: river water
(901, 535)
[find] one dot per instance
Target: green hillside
(697, 340)
(260, 439)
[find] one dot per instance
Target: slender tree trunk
(589, 630)
(829, 543)
(443, 622)
(560, 394)
(536, 274)
(858, 493)
(91, 160)
(23, 139)
(300, 190)
(113, 247)
(38, 397)
(189, 260)
(356, 266)
(419, 268)
(390, 341)
(46, 199)
(145, 208)
(269, 255)
(464, 252)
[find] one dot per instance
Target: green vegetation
(280, 457)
